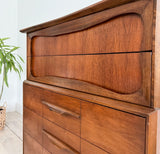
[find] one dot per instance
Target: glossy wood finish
(87, 148)
(122, 34)
(94, 76)
(142, 8)
(151, 133)
(115, 70)
(54, 135)
(112, 130)
(32, 98)
(120, 105)
(119, 74)
(31, 146)
(32, 125)
(55, 107)
(85, 28)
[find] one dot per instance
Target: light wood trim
(58, 143)
(60, 110)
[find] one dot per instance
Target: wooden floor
(11, 135)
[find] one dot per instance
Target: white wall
(8, 28)
(32, 12)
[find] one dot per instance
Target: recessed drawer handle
(61, 110)
(58, 143)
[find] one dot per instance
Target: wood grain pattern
(137, 9)
(31, 146)
(121, 34)
(87, 148)
(32, 98)
(156, 56)
(102, 5)
(114, 131)
(93, 69)
(158, 132)
(120, 105)
(141, 8)
(63, 135)
(32, 124)
(121, 73)
(68, 122)
(151, 133)
(45, 151)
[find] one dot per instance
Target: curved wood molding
(140, 96)
(100, 6)
(140, 8)
(120, 73)
(120, 34)
(135, 89)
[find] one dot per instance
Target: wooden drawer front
(31, 146)
(87, 148)
(32, 124)
(57, 140)
(62, 110)
(106, 71)
(121, 34)
(124, 76)
(114, 131)
(32, 97)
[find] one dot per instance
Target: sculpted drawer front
(124, 76)
(114, 131)
(62, 110)
(59, 141)
(32, 124)
(30, 146)
(110, 59)
(32, 98)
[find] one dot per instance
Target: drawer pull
(60, 110)
(59, 144)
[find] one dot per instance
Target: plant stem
(2, 85)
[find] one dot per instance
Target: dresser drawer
(124, 76)
(32, 98)
(32, 124)
(31, 146)
(87, 148)
(57, 140)
(62, 110)
(114, 131)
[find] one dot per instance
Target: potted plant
(9, 61)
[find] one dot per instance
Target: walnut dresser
(93, 81)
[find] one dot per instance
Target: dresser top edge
(94, 8)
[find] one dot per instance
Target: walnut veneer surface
(93, 81)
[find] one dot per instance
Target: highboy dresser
(93, 81)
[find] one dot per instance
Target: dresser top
(100, 6)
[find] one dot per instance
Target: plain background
(19, 14)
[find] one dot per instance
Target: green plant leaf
(9, 60)
(21, 58)
(6, 38)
